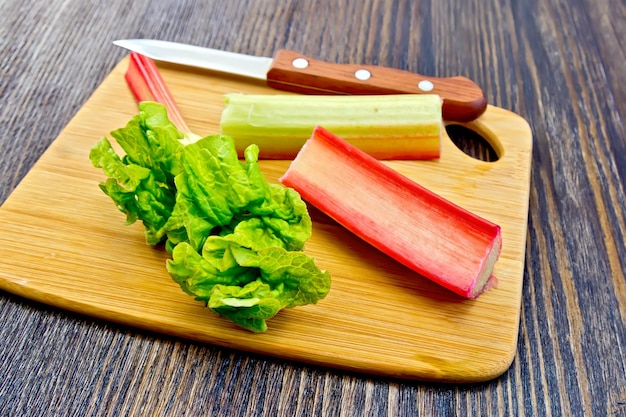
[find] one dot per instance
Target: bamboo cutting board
(65, 244)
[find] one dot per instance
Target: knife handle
(463, 100)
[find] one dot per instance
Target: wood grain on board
(65, 244)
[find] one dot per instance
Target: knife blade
(463, 100)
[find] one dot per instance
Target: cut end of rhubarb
(485, 279)
(434, 237)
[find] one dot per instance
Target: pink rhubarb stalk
(434, 237)
(147, 84)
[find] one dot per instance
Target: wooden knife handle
(463, 100)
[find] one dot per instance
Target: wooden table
(560, 65)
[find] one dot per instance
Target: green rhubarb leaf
(282, 210)
(251, 233)
(248, 306)
(235, 240)
(134, 191)
(213, 186)
(286, 215)
(225, 274)
(217, 190)
(293, 272)
(197, 274)
(152, 141)
(141, 183)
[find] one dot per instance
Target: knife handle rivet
(362, 74)
(426, 85)
(300, 63)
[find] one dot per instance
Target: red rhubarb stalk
(427, 233)
(147, 84)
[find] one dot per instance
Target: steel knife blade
(463, 100)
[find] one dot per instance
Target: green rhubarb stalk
(434, 237)
(387, 127)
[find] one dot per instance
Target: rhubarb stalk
(434, 237)
(406, 126)
(147, 84)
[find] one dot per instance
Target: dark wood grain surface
(559, 64)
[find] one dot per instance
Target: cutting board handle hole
(472, 143)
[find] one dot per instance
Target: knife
(463, 100)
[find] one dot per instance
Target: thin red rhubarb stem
(147, 84)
